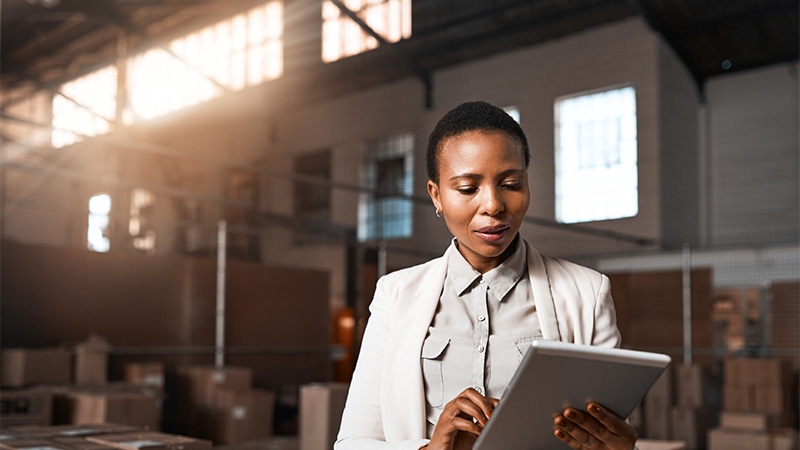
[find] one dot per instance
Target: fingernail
(595, 408)
(570, 414)
(559, 434)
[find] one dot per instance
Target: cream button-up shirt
(480, 332)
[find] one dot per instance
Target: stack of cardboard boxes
(95, 437)
(69, 385)
(220, 404)
(691, 415)
(675, 408)
(656, 422)
(757, 413)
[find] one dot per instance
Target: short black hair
(472, 116)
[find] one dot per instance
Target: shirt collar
(501, 279)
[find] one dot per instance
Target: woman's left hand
(598, 429)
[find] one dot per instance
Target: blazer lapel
(542, 297)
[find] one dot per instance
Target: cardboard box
(719, 439)
(772, 372)
(79, 443)
(735, 372)
(770, 399)
(648, 444)
(657, 406)
(689, 385)
(28, 366)
(738, 398)
(197, 396)
(30, 444)
(199, 384)
(243, 416)
(757, 371)
(142, 409)
(691, 426)
(26, 407)
(150, 374)
(783, 439)
(321, 407)
(36, 431)
(748, 421)
(150, 441)
(91, 361)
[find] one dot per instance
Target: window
(239, 52)
(596, 156)
(144, 237)
(245, 50)
(386, 211)
(342, 36)
(97, 233)
(85, 106)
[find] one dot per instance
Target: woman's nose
(492, 202)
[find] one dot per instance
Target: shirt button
(482, 281)
(479, 389)
(481, 349)
(481, 318)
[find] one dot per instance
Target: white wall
(754, 161)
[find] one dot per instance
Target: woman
(445, 337)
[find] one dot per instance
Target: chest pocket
(432, 353)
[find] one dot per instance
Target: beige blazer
(385, 406)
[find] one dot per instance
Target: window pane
(98, 222)
(85, 106)
(242, 51)
(387, 212)
(596, 157)
(342, 36)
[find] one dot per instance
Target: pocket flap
(434, 346)
(524, 344)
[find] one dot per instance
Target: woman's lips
(493, 234)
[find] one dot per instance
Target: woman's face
(483, 194)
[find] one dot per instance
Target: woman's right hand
(461, 421)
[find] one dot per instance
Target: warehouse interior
(198, 197)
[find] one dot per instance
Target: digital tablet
(553, 375)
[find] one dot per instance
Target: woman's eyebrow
(477, 176)
(472, 176)
(508, 172)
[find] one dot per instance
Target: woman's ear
(433, 191)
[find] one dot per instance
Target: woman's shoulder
(409, 274)
(559, 268)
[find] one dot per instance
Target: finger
(465, 407)
(485, 404)
(616, 430)
(611, 421)
(574, 432)
(567, 439)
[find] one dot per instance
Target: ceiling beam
(363, 25)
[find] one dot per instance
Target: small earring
(438, 213)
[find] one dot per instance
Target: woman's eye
(513, 186)
(466, 190)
